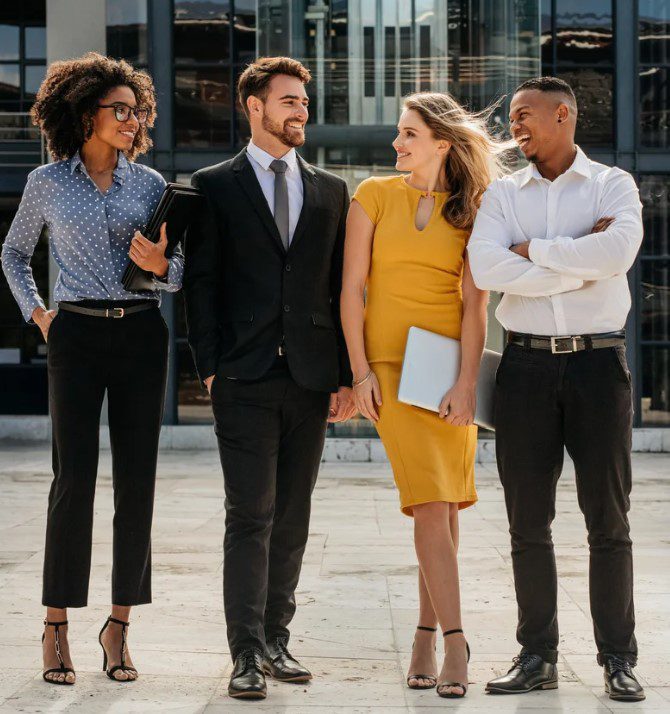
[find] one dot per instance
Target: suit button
(288, 267)
(287, 308)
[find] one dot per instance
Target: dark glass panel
(584, 31)
(9, 82)
(655, 196)
(593, 89)
(9, 42)
(201, 30)
(34, 74)
(424, 53)
(389, 62)
(546, 36)
(654, 106)
(127, 30)
(406, 62)
(655, 300)
(654, 29)
(202, 107)
(337, 65)
(369, 61)
(655, 398)
(245, 31)
(35, 42)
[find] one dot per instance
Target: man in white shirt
(557, 238)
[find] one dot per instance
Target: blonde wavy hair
(475, 157)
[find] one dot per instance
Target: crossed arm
(539, 268)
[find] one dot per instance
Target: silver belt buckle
(281, 351)
(573, 348)
(116, 312)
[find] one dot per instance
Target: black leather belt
(116, 312)
(569, 343)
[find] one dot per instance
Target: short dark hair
(69, 95)
(549, 84)
(256, 78)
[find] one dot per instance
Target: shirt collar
(263, 159)
(581, 165)
(119, 172)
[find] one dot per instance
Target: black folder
(177, 207)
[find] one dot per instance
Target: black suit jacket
(245, 294)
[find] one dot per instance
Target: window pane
(127, 30)
(655, 293)
(593, 89)
(547, 38)
(584, 31)
(654, 106)
(202, 107)
(201, 31)
(9, 42)
(36, 42)
(34, 74)
(9, 82)
(654, 31)
(655, 196)
(655, 385)
(245, 31)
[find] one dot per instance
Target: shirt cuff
(28, 308)
(537, 251)
(170, 277)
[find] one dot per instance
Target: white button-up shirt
(575, 281)
(260, 161)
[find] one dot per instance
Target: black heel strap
(117, 622)
(452, 632)
(55, 624)
(427, 629)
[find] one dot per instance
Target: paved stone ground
(357, 597)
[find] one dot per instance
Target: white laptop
(431, 367)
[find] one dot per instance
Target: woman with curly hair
(94, 199)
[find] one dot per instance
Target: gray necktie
(281, 199)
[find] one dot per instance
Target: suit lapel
(309, 200)
(246, 176)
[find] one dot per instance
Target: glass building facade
(365, 56)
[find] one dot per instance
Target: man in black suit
(262, 286)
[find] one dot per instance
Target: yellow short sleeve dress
(415, 279)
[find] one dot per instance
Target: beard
(287, 136)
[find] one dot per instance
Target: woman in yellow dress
(406, 240)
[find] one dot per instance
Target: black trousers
(581, 402)
(127, 358)
(271, 433)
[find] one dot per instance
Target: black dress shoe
(279, 664)
(248, 680)
(528, 672)
(620, 682)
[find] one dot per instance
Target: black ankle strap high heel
(62, 669)
(432, 680)
(119, 667)
(444, 685)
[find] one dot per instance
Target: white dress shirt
(260, 161)
(575, 281)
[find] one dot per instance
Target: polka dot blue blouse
(89, 232)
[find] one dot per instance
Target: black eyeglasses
(122, 112)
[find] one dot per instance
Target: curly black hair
(68, 97)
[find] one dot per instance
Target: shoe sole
(542, 685)
(247, 695)
(625, 697)
(300, 679)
